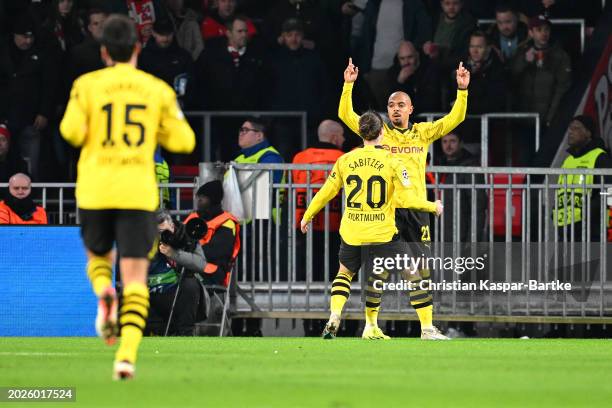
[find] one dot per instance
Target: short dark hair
(93, 11)
(480, 33)
(454, 133)
(229, 23)
(504, 8)
(119, 37)
(258, 124)
(370, 124)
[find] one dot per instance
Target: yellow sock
(371, 315)
(100, 272)
(340, 292)
(133, 319)
(374, 298)
(425, 316)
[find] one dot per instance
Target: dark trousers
(185, 310)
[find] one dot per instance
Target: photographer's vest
(213, 226)
(564, 215)
(254, 159)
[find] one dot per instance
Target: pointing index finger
(461, 65)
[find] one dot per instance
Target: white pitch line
(35, 353)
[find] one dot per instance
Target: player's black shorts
(413, 227)
(134, 231)
(354, 256)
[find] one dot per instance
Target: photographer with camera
(221, 241)
(172, 269)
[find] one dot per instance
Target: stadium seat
(499, 203)
(184, 174)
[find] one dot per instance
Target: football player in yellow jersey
(410, 143)
(117, 116)
(373, 180)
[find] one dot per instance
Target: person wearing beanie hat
(587, 122)
(221, 243)
(586, 151)
(208, 199)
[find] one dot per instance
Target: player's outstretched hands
(463, 77)
(351, 72)
(304, 226)
(439, 208)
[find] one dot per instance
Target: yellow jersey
(409, 145)
(118, 115)
(371, 176)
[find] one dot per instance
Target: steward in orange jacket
(18, 207)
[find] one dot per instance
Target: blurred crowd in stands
(289, 55)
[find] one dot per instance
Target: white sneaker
(107, 326)
(123, 370)
(432, 334)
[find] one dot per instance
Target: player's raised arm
(174, 133)
(444, 125)
(345, 109)
(330, 189)
(74, 123)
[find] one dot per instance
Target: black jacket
(173, 65)
(84, 57)
(521, 32)
(298, 82)
(222, 85)
(487, 85)
(12, 164)
(423, 87)
(27, 85)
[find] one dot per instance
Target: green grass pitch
(309, 372)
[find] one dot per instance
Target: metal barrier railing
(278, 267)
(208, 115)
(484, 129)
(557, 21)
(505, 213)
(59, 201)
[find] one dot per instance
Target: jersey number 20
(382, 198)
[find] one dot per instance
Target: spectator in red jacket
(18, 207)
(214, 25)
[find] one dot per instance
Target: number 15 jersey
(371, 176)
(118, 115)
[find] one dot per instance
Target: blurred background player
(410, 142)
(371, 178)
(117, 115)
